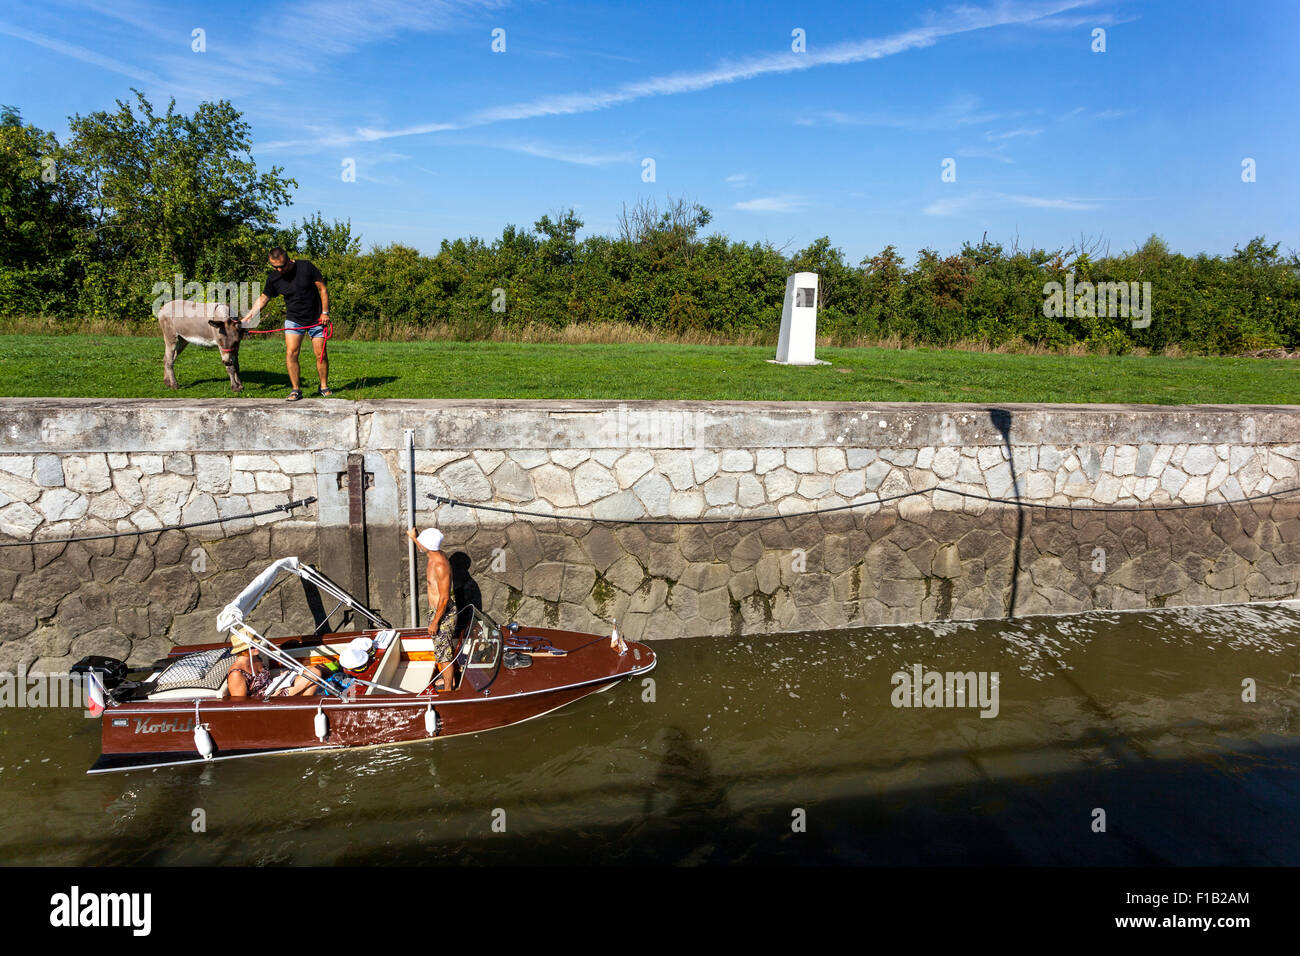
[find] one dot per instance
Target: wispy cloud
(336, 27)
(584, 53)
(949, 207)
(1011, 134)
(955, 21)
(959, 204)
(773, 204)
(80, 53)
(1082, 22)
(564, 155)
(1044, 202)
(140, 18)
(963, 110)
(364, 165)
(967, 152)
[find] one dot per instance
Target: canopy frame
(232, 616)
(241, 607)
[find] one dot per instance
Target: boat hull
(138, 735)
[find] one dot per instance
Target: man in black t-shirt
(306, 309)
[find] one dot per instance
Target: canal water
(1118, 739)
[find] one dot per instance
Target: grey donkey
(206, 324)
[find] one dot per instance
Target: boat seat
(414, 676)
(196, 676)
(188, 693)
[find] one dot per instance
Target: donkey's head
(227, 333)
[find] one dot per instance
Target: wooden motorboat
(182, 712)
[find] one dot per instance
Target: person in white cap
(442, 621)
(353, 661)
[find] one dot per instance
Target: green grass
(131, 367)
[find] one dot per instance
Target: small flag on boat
(94, 694)
(616, 640)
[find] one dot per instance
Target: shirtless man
(442, 622)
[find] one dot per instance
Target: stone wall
(77, 467)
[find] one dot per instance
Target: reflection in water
(1140, 714)
(685, 776)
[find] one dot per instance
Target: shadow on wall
(1001, 419)
(464, 589)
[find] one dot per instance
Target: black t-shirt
(301, 297)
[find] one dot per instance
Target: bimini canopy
(238, 610)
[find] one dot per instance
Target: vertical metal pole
(358, 564)
(410, 514)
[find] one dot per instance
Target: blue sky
(1051, 140)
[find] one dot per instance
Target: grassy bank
(575, 333)
(124, 366)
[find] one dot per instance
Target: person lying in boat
(340, 674)
(442, 621)
(248, 678)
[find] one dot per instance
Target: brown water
(1139, 715)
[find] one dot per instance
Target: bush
(141, 197)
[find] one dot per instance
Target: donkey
(201, 323)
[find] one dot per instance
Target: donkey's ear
(217, 323)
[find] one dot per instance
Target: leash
(328, 325)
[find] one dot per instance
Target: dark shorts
(300, 328)
(442, 649)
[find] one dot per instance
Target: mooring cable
(286, 507)
(741, 519)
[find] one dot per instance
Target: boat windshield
(482, 649)
(482, 640)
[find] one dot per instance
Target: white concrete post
(797, 344)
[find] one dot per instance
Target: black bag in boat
(111, 671)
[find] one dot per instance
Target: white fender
(203, 742)
(322, 723)
(202, 739)
(431, 721)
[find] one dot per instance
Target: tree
(559, 248)
(321, 238)
(42, 220)
(162, 188)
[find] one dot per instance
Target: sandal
(294, 395)
(326, 392)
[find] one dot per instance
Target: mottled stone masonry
(71, 467)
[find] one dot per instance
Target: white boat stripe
(333, 703)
